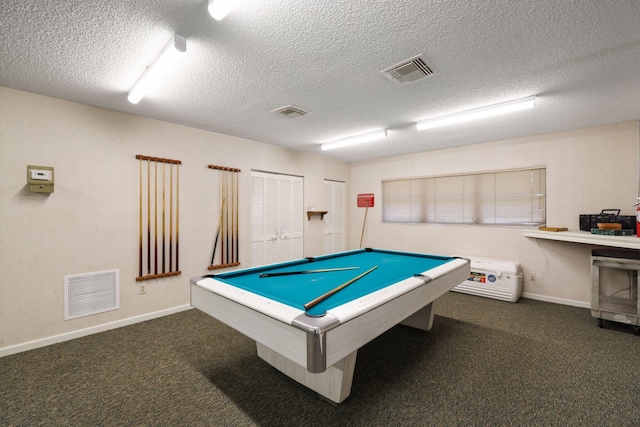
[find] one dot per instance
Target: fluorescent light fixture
(478, 113)
(353, 140)
(149, 78)
(218, 9)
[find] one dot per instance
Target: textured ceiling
(581, 58)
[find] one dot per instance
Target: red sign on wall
(365, 200)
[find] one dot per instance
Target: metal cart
(622, 305)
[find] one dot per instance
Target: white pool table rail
(287, 347)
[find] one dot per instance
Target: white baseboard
(554, 300)
(43, 342)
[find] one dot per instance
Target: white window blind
(508, 198)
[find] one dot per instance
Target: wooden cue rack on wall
(159, 216)
(226, 237)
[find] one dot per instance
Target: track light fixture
(218, 9)
(149, 78)
(478, 113)
(353, 140)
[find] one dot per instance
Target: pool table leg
(421, 319)
(333, 384)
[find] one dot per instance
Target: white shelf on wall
(310, 213)
(585, 237)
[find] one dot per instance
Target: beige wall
(587, 170)
(90, 222)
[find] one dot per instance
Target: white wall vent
(291, 111)
(409, 71)
(91, 293)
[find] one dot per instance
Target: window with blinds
(505, 198)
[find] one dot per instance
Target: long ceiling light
(353, 140)
(218, 9)
(148, 79)
(478, 113)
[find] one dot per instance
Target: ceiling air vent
(408, 71)
(291, 111)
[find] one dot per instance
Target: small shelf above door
(312, 213)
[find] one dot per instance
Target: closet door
(334, 193)
(276, 218)
(290, 218)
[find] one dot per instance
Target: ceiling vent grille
(291, 111)
(408, 71)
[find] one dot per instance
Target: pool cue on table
(321, 270)
(364, 223)
(323, 297)
(140, 261)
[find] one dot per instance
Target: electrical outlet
(142, 289)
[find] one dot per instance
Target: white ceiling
(581, 58)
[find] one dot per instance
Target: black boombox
(589, 221)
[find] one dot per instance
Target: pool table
(317, 346)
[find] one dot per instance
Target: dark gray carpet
(485, 362)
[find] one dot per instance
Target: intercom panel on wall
(40, 179)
